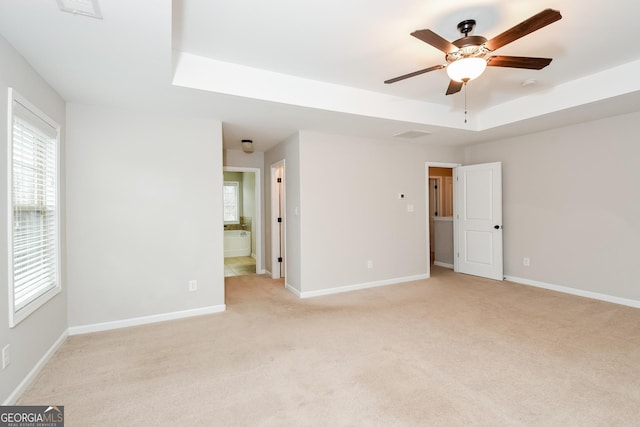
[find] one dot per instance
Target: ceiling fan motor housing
(468, 47)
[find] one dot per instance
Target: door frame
(455, 240)
(258, 214)
(277, 238)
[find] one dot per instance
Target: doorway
(440, 208)
(242, 221)
(476, 218)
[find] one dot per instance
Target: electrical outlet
(369, 264)
(526, 261)
(6, 356)
(193, 285)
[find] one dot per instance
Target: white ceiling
(270, 68)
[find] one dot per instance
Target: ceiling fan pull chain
(465, 102)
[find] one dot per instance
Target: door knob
(497, 227)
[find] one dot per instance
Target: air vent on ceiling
(412, 134)
(81, 7)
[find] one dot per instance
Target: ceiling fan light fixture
(466, 69)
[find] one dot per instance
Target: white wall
(350, 211)
(144, 212)
(249, 195)
(443, 240)
(572, 204)
(31, 338)
(239, 158)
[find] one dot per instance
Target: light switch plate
(6, 356)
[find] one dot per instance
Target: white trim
(155, 318)
(33, 374)
(574, 291)
(349, 288)
(293, 290)
(443, 264)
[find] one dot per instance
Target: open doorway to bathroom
(242, 221)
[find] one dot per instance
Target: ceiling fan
(467, 57)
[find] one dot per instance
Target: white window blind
(34, 241)
(231, 202)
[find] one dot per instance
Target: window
(34, 256)
(231, 207)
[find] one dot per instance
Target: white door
(278, 231)
(478, 208)
(281, 210)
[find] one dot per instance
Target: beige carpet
(453, 350)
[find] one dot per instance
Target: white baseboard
(349, 288)
(292, 289)
(125, 323)
(574, 291)
(31, 376)
(443, 264)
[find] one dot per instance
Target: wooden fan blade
(434, 40)
(528, 26)
(415, 73)
(518, 62)
(454, 87)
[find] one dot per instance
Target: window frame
(47, 292)
(235, 184)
